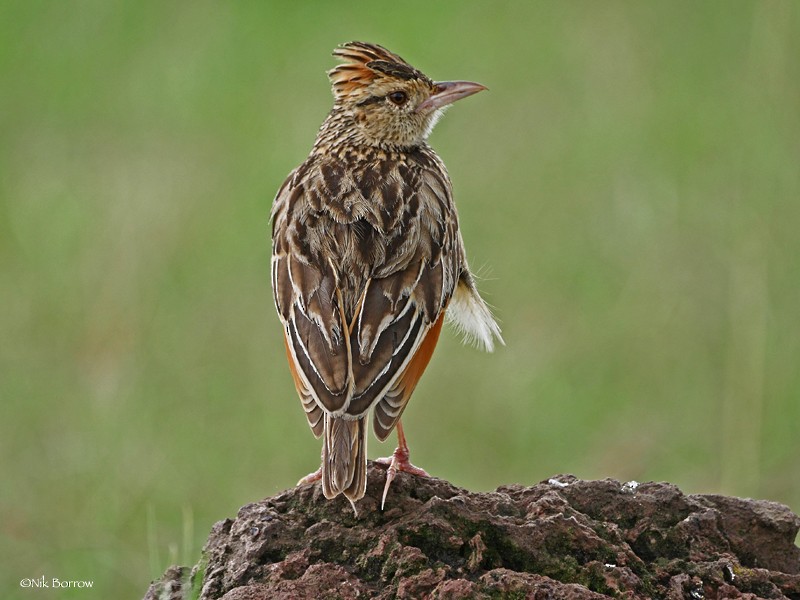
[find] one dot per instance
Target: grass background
(628, 189)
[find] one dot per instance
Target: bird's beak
(447, 92)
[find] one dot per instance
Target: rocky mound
(562, 538)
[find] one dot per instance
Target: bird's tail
(344, 458)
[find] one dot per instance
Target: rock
(562, 538)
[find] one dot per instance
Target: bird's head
(391, 103)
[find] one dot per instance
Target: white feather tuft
(471, 316)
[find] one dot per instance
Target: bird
(368, 261)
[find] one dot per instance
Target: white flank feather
(471, 317)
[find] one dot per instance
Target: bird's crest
(364, 64)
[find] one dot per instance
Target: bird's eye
(399, 98)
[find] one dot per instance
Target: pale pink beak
(447, 92)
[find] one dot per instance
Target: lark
(368, 262)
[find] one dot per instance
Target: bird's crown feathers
(365, 64)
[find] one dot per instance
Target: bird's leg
(311, 477)
(398, 461)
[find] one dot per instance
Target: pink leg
(398, 462)
(311, 477)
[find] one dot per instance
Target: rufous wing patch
(391, 406)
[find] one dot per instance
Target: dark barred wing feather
(365, 259)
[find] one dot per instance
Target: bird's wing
(392, 329)
(309, 305)
(399, 320)
(352, 348)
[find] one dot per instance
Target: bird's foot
(311, 477)
(398, 461)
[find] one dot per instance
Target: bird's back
(370, 214)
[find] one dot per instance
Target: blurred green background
(629, 191)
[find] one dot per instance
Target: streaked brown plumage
(367, 259)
